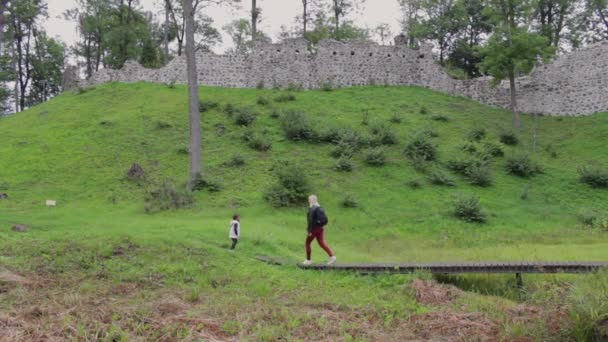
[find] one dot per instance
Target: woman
(316, 221)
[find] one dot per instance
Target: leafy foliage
(469, 209)
(421, 148)
(375, 157)
(521, 165)
(297, 127)
(165, 197)
(594, 176)
(291, 186)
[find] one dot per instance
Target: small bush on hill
(344, 164)
(479, 174)
(183, 150)
(382, 135)
(415, 184)
(296, 126)
(244, 117)
(236, 161)
(163, 125)
(343, 149)
(493, 149)
(365, 120)
(476, 134)
(166, 197)
(275, 113)
(508, 138)
(201, 184)
(349, 202)
(294, 87)
(420, 148)
(375, 157)
(424, 110)
(396, 118)
(469, 209)
(440, 118)
(429, 133)
(262, 101)
(594, 176)
(327, 86)
(521, 165)
(207, 105)
(229, 109)
(291, 186)
(593, 219)
(256, 141)
(439, 177)
(260, 85)
(285, 98)
(469, 147)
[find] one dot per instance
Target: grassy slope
(61, 150)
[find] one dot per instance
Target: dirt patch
(124, 289)
(447, 325)
(555, 318)
(429, 292)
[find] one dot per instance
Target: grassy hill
(137, 272)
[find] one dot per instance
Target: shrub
(460, 164)
(201, 184)
(415, 184)
(343, 149)
(166, 197)
(344, 164)
(262, 101)
(424, 110)
(524, 193)
(183, 150)
(476, 134)
(207, 105)
(594, 176)
(163, 125)
(343, 135)
(229, 109)
(244, 117)
(522, 166)
(382, 135)
(294, 87)
(375, 157)
(479, 174)
(235, 161)
(285, 98)
(349, 202)
(327, 86)
(420, 148)
(469, 209)
(440, 118)
(588, 218)
(297, 127)
(508, 138)
(260, 85)
(256, 141)
(275, 113)
(291, 186)
(396, 118)
(439, 177)
(365, 120)
(429, 133)
(493, 149)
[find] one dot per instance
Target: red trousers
(316, 233)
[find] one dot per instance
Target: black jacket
(314, 217)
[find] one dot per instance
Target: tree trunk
(603, 18)
(516, 120)
(194, 114)
(254, 21)
(16, 87)
(337, 18)
(304, 16)
(166, 31)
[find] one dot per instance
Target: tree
(512, 49)
(384, 33)
(340, 9)
(194, 114)
(47, 68)
(410, 18)
(552, 16)
(444, 21)
(5, 62)
(207, 36)
(255, 18)
(240, 31)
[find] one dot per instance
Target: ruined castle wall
(573, 84)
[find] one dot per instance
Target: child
(235, 230)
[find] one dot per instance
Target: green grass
(79, 151)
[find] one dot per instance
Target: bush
(163, 125)
(235, 161)
(260, 85)
(349, 202)
(244, 117)
(522, 166)
(396, 118)
(415, 184)
(469, 209)
(594, 176)
(291, 186)
(441, 118)
(479, 174)
(382, 135)
(593, 219)
(469, 147)
(492, 149)
(207, 105)
(375, 157)
(344, 164)
(183, 150)
(285, 98)
(294, 87)
(229, 109)
(420, 148)
(262, 101)
(297, 127)
(424, 110)
(201, 184)
(275, 113)
(166, 197)
(365, 120)
(439, 177)
(508, 138)
(476, 134)
(344, 135)
(429, 133)
(327, 86)
(256, 141)
(343, 149)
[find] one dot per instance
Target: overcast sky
(274, 14)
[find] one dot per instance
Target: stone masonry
(573, 84)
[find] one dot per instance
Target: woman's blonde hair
(312, 200)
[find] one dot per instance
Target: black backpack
(323, 220)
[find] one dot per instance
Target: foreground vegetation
(405, 174)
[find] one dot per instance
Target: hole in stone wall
(352, 53)
(389, 55)
(421, 55)
(334, 53)
(371, 54)
(279, 50)
(297, 51)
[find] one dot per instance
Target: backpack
(323, 220)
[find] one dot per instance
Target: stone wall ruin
(572, 84)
